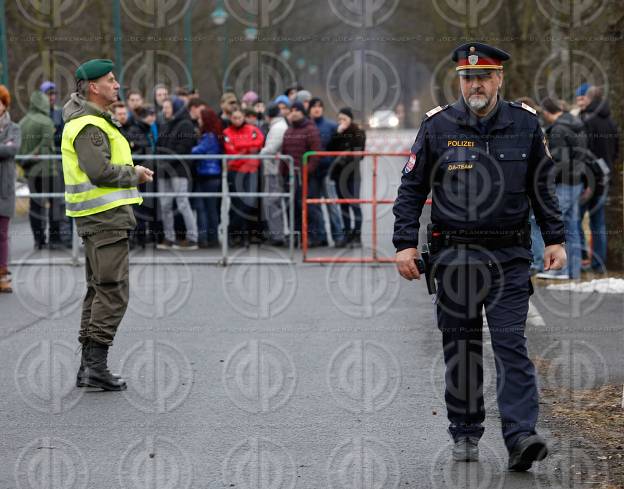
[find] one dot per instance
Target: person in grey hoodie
(272, 206)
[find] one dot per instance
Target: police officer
(485, 162)
(100, 186)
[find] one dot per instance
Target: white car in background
(383, 119)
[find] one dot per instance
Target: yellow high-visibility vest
(82, 198)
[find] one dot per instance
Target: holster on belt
(491, 239)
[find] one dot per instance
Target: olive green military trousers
(106, 300)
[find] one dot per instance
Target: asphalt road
(270, 377)
(264, 377)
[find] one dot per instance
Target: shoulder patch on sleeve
(433, 112)
(97, 139)
(411, 163)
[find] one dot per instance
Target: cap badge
(473, 59)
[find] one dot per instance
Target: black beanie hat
(346, 111)
(298, 106)
(273, 111)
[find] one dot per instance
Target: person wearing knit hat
(304, 97)
(46, 215)
(47, 86)
(249, 99)
(283, 103)
(345, 172)
(272, 180)
(10, 141)
(327, 129)
(582, 100)
(100, 188)
(298, 106)
(56, 113)
(346, 111)
(303, 136)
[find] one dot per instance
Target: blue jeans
(349, 188)
(598, 230)
(569, 196)
(537, 245)
(208, 208)
(315, 213)
(328, 191)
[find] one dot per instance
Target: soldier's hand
(554, 257)
(406, 265)
(144, 174)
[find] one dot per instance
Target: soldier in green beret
(100, 187)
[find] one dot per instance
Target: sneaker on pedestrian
(165, 244)
(185, 245)
(552, 275)
(466, 449)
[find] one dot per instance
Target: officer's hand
(144, 174)
(406, 264)
(554, 257)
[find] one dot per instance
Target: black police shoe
(526, 451)
(466, 449)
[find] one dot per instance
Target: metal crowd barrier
(374, 201)
(187, 257)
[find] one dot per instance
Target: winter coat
(327, 129)
(602, 131)
(176, 136)
(351, 139)
(567, 144)
(301, 137)
(273, 144)
(246, 139)
(208, 145)
(37, 129)
(10, 140)
(141, 138)
(56, 114)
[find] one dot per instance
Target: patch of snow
(601, 286)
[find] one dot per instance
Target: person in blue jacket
(208, 178)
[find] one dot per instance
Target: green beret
(94, 68)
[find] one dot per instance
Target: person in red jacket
(242, 138)
(301, 137)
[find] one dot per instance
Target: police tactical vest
(82, 198)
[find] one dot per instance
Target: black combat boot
(95, 372)
(80, 382)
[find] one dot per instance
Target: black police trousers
(467, 284)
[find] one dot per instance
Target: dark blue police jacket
(483, 174)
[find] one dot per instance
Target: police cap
(94, 68)
(476, 58)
